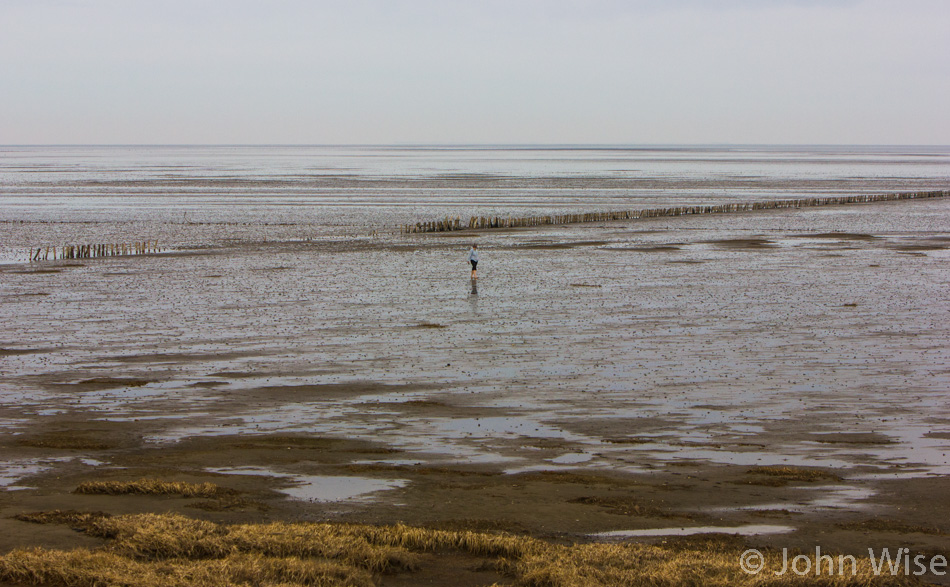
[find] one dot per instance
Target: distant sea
(388, 185)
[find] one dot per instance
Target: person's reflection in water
(473, 298)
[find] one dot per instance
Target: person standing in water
(473, 259)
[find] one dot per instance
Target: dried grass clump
(575, 478)
(88, 568)
(151, 550)
(608, 565)
(628, 506)
(891, 526)
(166, 536)
(428, 540)
(152, 487)
(71, 518)
(65, 442)
(230, 503)
(320, 540)
(794, 473)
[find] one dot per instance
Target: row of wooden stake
(94, 250)
(484, 223)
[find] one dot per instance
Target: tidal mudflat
(780, 376)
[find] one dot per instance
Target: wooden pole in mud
(92, 250)
(485, 223)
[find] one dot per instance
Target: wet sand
(606, 379)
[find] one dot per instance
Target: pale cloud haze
(393, 71)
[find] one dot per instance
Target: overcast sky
(479, 71)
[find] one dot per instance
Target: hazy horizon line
(480, 145)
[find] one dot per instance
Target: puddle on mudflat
(846, 497)
(390, 462)
(13, 472)
(300, 417)
(914, 450)
(324, 488)
(890, 476)
(51, 412)
(749, 530)
(393, 398)
(572, 458)
(333, 488)
(673, 453)
(150, 418)
(499, 425)
(837, 497)
(517, 403)
(537, 469)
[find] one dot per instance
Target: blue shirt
(473, 255)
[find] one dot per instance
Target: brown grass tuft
(151, 550)
(230, 503)
(628, 506)
(169, 536)
(88, 568)
(655, 565)
(794, 473)
(152, 487)
(71, 518)
(65, 441)
(628, 440)
(892, 526)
